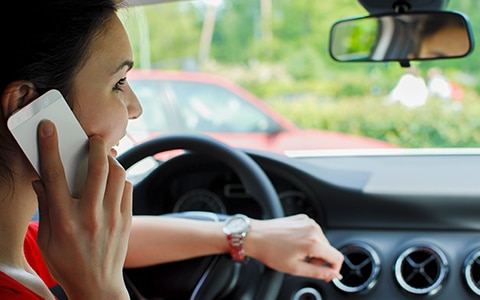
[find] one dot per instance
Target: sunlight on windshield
(282, 57)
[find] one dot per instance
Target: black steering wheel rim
(254, 179)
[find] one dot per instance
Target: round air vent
(472, 271)
(421, 269)
(359, 270)
(307, 293)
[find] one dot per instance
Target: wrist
(236, 229)
(251, 241)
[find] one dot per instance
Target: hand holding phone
(72, 140)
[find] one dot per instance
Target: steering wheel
(216, 276)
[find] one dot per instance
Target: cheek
(109, 122)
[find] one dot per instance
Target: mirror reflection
(401, 37)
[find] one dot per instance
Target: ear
(16, 95)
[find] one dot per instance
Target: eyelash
(118, 85)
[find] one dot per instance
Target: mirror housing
(401, 37)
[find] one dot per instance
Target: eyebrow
(126, 63)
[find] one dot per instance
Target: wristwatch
(236, 228)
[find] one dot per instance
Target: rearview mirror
(401, 37)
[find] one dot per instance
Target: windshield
(196, 106)
(278, 52)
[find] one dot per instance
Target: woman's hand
(84, 241)
(295, 245)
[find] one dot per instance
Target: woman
(81, 48)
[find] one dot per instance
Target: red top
(12, 289)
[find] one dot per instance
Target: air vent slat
(360, 268)
(421, 269)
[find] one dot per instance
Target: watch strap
(235, 243)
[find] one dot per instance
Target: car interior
(406, 221)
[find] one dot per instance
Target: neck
(16, 210)
(13, 227)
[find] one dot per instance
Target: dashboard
(197, 183)
(407, 222)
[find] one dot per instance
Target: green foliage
(169, 46)
(241, 17)
(436, 124)
(292, 69)
(303, 64)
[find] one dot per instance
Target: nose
(133, 106)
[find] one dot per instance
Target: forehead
(110, 48)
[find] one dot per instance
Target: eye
(119, 84)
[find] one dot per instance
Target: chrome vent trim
(360, 268)
(472, 271)
(307, 293)
(421, 269)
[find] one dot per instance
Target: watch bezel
(228, 230)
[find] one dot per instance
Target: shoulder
(13, 290)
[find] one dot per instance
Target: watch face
(237, 224)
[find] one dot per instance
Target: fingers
(97, 173)
(331, 256)
(295, 245)
(321, 248)
(325, 264)
(105, 176)
(91, 231)
(323, 256)
(51, 169)
(127, 200)
(115, 185)
(105, 188)
(118, 195)
(322, 261)
(317, 268)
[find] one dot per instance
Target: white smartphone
(72, 140)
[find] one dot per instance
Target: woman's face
(102, 98)
(449, 41)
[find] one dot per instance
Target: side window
(212, 108)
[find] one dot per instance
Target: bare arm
(156, 240)
(282, 244)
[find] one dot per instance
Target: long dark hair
(46, 42)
